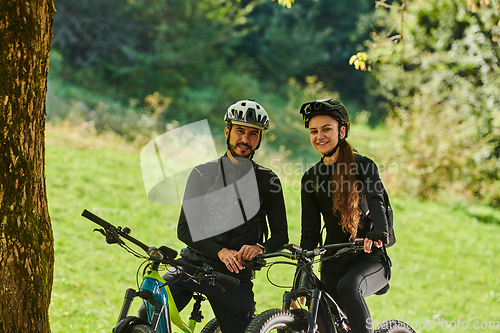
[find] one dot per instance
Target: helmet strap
(334, 150)
(229, 134)
(260, 140)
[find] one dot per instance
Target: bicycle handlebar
(96, 219)
(111, 228)
(208, 272)
(170, 254)
(226, 278)
(297, 253)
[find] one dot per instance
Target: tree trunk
(26, 240)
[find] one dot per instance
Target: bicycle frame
(322, 312)
(155, 292)
(160, 305)
(307, 284)
(316, 296)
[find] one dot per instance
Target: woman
(332, 189)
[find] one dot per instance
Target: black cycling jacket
(317, 201)
(272, 204)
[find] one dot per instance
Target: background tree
(196, 51)
(441, 81)
(132, 49)
(194, 58)
(26, 241)
(312, 37)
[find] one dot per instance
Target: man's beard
(232, 149)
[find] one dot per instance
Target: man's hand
(230, 259)
(248, 252)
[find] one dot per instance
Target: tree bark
(26, 240)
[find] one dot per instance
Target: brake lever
(209, 272)
(256, 263)
(101, 231)
(213, 283)
(111, 235)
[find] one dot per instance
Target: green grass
(445, 259)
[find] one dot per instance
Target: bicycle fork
(309, 316)
(159, 314)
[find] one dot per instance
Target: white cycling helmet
(247, 113)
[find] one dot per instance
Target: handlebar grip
(360, 242)
(96, 219)
(226, 278)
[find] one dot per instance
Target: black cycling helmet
(327, 107)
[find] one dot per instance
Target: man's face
(243, 140)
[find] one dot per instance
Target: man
(223, 191)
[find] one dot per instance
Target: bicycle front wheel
(141, 329)
(275, 320)
(211, 327)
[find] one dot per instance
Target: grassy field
(446, 265)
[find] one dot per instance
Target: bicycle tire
(281, 320)
(141, 328)
(211, 327)
(394, 326)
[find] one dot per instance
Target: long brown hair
(346, 196)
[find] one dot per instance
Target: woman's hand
(376, 238)
(369, 243)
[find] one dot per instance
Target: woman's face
(323, 131)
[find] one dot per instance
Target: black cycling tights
(350, 289)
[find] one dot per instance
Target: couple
(348, 279)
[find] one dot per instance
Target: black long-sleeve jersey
(206, 178)
(317, 192)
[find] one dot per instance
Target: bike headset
(247, 113)
(327, 107)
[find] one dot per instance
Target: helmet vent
(245, 112)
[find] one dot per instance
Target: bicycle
(154, 290)
(307, 284)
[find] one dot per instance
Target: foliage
(286, 3)
(98, 114)
(311, 38)
(432, 60)
(141, 121)
(139, 47)
(441, 79)
(135, 48)
(359, 61)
